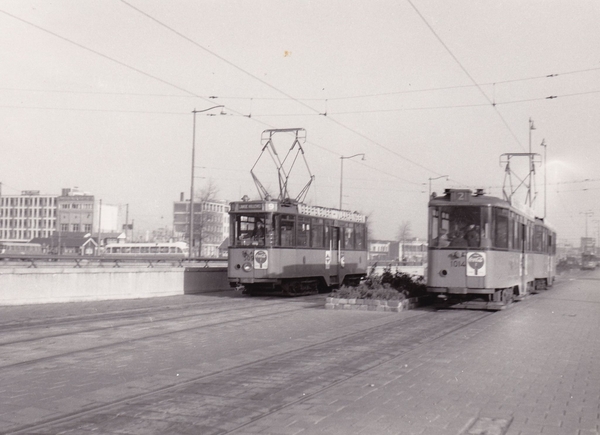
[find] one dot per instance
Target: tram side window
(538, 239)
(317, 236)
(500, 228)
(303, 231)
(517, 233)
(287, 224)
(348, 236)
(359, 234)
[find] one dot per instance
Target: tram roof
(298, 208)
(466, 197)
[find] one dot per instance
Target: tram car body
(294, 249)
(484, 252)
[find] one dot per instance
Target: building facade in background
(75, 212)
(211, 225)
(27, 216)
(412, 251)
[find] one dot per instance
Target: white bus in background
(20, 248)
(166, 249)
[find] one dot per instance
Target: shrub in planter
(387, 286)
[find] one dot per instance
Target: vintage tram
(484, 252)
(290, 248)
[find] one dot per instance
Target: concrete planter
(376, 304)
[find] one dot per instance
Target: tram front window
(250, 230)
(457, 227)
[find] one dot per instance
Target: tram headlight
(247, 267)
(443, 272)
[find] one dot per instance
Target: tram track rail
(386, 355)
(129, 341)
(147, 314)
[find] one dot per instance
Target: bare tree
(202, 223)
(404, 234)
(404, 231)
(209, 192)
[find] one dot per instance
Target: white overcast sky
(99, 95)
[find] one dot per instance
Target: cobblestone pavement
(531, 369)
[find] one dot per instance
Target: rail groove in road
(227, 400)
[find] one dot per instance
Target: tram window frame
(317, 236)
(246, 233)
(456, 221)
(359, 236)
(287, 239)
(348, 236)
(538, 238)
(327, 239)
(517, 233)
(303, 232)
(500, 225)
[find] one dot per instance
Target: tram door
(334, 253)
(523, 259)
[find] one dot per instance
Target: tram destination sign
(250, 206)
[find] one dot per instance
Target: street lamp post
(191, 247)
(342, 172)
(545, 172)
(436, 178)
(531, 167)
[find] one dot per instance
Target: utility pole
(531, 167)
(126, 221)
(545, 172)
(191, 246)
(99, 225)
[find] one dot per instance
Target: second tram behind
(294, 249)
(485, 252)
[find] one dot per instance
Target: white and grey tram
(485, 252)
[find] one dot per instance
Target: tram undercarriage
(297, 287)
(499, 300)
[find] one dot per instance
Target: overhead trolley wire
(466, 72)
(277, 89)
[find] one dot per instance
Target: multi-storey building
(32, 215)
(211, 225)
(75, 211)
(411, 251)
(27, 216)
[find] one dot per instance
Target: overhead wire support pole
(545, 173)
(531, 166)
(191, 229)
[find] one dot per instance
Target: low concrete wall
(51, 285)
(201, 280)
